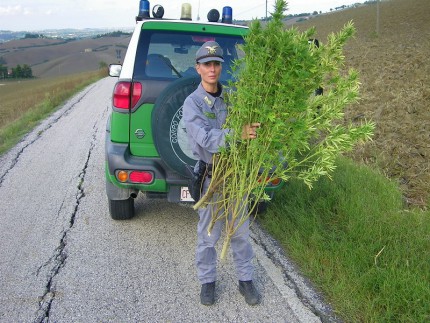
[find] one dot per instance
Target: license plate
(185, 195)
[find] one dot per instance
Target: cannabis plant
(301, 133)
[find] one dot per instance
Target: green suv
(146, 143)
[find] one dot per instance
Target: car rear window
(171, 55)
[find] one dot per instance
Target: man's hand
(249, 131)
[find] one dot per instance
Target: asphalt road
(63, 259)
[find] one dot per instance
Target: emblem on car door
(139, 133)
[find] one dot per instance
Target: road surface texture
(63, 259)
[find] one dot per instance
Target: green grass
(25, 103)
(352, 237)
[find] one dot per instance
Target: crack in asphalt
(59, 257)
(52, 121)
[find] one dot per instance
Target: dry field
(50, 58)
(20, 97)
(394, 67)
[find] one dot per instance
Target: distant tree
(22, 71)
(113, 34)
(26, 71)
(3, 71)
(315, 13)
(34, 36)
(17, 71)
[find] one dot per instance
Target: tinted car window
(170, 55)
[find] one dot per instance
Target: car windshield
(171, 55)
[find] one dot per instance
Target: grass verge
(25, 103)
(353, 239)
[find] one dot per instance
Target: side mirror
(115, 69)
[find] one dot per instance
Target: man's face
(209, 72)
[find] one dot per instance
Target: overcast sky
(33, 15)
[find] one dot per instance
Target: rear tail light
(273, 182)
(133, 176)
(276, 181)
(126, 95)
(141, 177)
(136, 94)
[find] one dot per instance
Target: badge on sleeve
(210, 115)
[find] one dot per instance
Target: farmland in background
(24, 103)
(394, 65)
(59, 57)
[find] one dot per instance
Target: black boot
(248, 290)
(207, 294)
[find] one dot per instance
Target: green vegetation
(284, 69)
(359, 239)
(23, 71)
(117, 33)
(25, 103)
(34, 36)
(19, 71)
(353, 239)
(3, 71)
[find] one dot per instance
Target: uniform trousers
(206, 255)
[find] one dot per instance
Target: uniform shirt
(204, 116)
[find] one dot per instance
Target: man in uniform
(204, 113)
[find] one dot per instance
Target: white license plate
(185, 195)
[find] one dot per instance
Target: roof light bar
(186, 11)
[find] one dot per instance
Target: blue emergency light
(227, 15)
(144, 9)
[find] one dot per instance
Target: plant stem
(225, 245)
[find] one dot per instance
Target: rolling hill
(53, 57)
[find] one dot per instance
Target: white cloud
(11, 10)
(18, 11)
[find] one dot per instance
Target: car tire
(260, 208)
(170, 138)
(121, 209)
